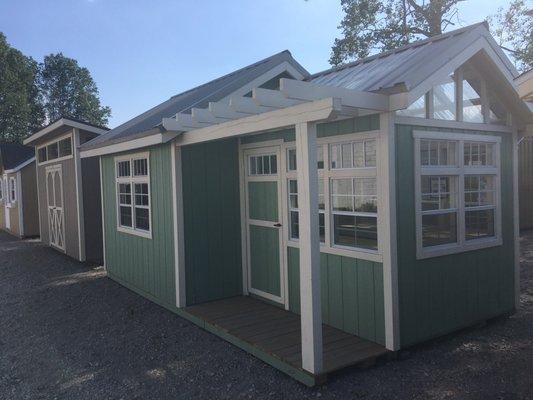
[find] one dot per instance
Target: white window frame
(327, 174)
(56, 140)
(132, 180)
(12, 190)
(459, 170)
(2, 190)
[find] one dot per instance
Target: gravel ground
(68, 332)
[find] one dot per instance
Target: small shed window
(42, 155)
(356, 154)
(457, 197)
(291, 158)
(294, 231)
(263, 165)
(12, 190)
(133, 194)
(60, 148)
(65, 147)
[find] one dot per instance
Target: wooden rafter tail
(204, 115)
(224, 110)
(189, 121)
(273, 98)
(248, 105)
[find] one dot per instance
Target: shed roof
(199, 96)
(405, 66)
(13, 154)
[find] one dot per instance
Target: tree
(70, 91)
(378, 25)
(513, 30)
(21, 109)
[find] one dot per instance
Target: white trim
(21, 205)
(39, 201)
(61, 122)
(440, 123)
(243, 209)
(387, 229)
(179, 239)
(516, 222)
(310, 303)
(75, 142)
(459, 171)
(129, 145)
(132, 180)
(20, 166)
(102, 207)
(52, 169)
(12, 199)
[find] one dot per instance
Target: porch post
(311, 316)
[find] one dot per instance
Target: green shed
(318, 221)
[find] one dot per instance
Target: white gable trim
(61, 122)
(151, 140)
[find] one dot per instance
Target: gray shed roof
(14, 154)
(406, 66)
(197, 97)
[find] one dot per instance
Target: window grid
(469, 200)
(56, 150)
(133, 194)
(353, 154)
(12, 190)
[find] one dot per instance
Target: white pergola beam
(310, 310)
(274, 98)
(248, 105)
(223, 110)
(312, 111)
(351, 98)
(206, 116)
(190, 121)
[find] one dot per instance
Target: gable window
(12, 190)
(457, 192)
(444, 100)
(133, 194)
(58, 149)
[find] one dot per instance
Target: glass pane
(433, 152)
(444, 100)
(266, 165)
(253, 166)
(53, 152)
(294, 226)
(321, 227)
(58, 189)
(342, 203)
(366, 232)
(479, 223)
(341, 186)
(141, 194)
(42, 154)
(142, 219)
(370, 153)
(273, 164)
(472, 99)
(125, 216)
(335, 156)
(497, 112)
(65, 147)
(123, 168)
(344, 230)
(359, 154)
(140, 167)
(259, 163)
(321, 204)
(424, 152)
(291, 160)
(293, 201)
(320, 157)
(416, 109)
(430, 202)
(439, 229)
(347, 155)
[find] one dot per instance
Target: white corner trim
(179, 240)
(79, 195)
(102, 206)
(21, 204)
(516, 221)
(129, 145)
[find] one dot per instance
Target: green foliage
(70, 91)
(374, 25)
(21, 109)
(513, 30)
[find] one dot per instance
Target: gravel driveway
(68, 332)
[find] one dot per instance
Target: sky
(142, 52)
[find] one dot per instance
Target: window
(472, 105)
(416, 109)
(263, 165)
(291, 158)
(457, 197)
(357, 154)
(133, 195)
(12, 190)
(58, 149)
(294, 231)
(444, 100)
(354, 210)
(65, 147)
(1, 189)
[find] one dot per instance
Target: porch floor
(274, 335)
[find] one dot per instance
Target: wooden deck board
(277, 332)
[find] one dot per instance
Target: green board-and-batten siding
(146, 265)
(212, 226)
(442, 294)
(351, 293)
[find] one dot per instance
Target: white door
(54, 194)
(7, 203)
(263, 223)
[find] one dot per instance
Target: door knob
(278, 225)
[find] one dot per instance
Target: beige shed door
(54, 193)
